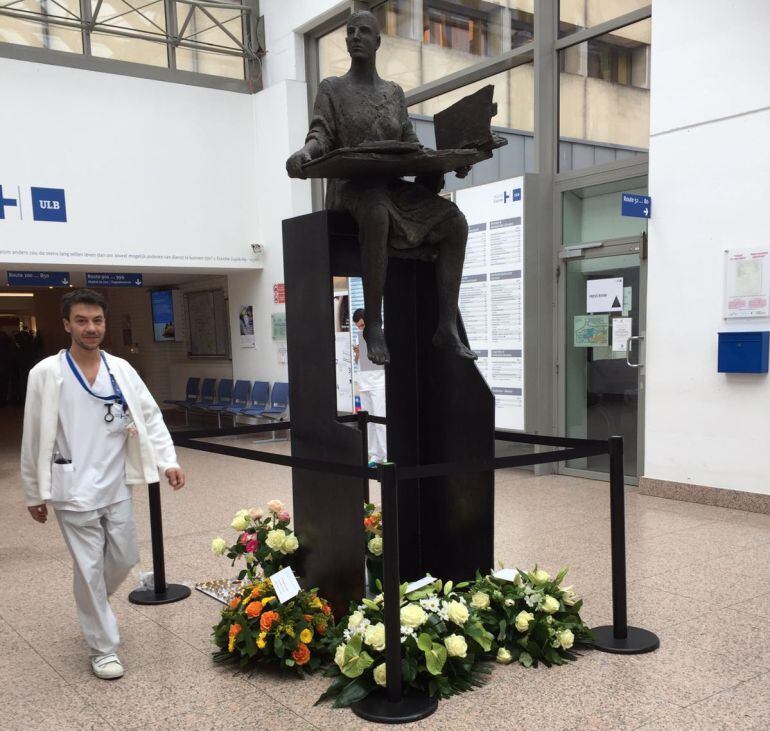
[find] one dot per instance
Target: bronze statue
(395, 217)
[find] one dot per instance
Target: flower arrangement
(373, 530)
(256, 628)
(442, 637)
(264, 539)
(532, 617)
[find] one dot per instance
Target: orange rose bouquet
(256, 628)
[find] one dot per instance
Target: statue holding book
(362, 140)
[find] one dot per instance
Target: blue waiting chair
(279, 401)
(206, 397)
(191, 394)
(259, 393)
(224, 399)
(240, 398)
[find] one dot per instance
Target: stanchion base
(636, 642)
(376, 707)
(173, 593)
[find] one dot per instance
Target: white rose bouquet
(532, 618)
(443, 644)
(265, 541)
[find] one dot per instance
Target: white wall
(709, 163)
(154, 173)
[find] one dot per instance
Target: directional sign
(38, 279)
(113, 279)
(637, 206)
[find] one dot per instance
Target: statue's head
(363, 35)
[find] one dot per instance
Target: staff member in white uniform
(371, 389)
(91, 429)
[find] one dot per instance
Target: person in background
(91, 430)
(371, 389)
(7, 365)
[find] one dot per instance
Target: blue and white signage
(113, 279)
(38, 279)
(48, 204)
(636, 206)
(9, 200)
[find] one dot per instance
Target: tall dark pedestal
(328, 509)
(439, 410)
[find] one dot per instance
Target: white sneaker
(107, 667)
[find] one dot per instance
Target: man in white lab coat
(92, 429)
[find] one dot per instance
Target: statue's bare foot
(376, 348)
(448, 340)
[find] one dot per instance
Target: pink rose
(244, 538)
(252, 545)
(275, 506)
(284, 515)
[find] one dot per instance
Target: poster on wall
(747, 283)
(246, 326)
(492, 291)
(278, 325)
(163, 315)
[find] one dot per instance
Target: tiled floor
(698, 576)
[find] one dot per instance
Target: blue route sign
(113, 279)
(38, 279)
(637, 206)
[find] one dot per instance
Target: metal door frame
(609, 247)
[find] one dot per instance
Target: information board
(492, 291)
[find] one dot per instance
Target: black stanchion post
(362, 419)
(620, 638)
(392, 706)
(162, 593)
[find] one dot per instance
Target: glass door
(602, 349)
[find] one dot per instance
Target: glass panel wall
(575, 15)
(604, 98)
(210, 39)
(426, 40)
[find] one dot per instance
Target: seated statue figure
(394, 216)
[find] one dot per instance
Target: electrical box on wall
(743, 352)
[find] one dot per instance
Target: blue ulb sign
(113, 279)
(38, 279)
(637, 206)
(48, 204)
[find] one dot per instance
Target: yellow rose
(290, 544)
(306, 635)
(219, 546)
(549, 605)
(241, 520)
(375, 546)
(540, 577)
(480, 600)
(456, 646)
(261, 640)
(275, 539)
(375, 636)
(457, 613)
(379, 675)
(503, 656)
(355, 619)
(565, 638)
(412, 615)
(569, 597)
(523, 619)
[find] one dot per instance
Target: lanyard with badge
(116, 399)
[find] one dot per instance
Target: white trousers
(103, 547)
(373, 401)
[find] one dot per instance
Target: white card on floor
(506, 574)
(285, 584)
(415, 585)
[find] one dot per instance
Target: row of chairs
(238, 399)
